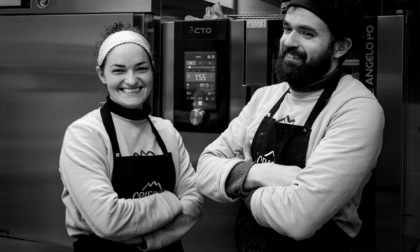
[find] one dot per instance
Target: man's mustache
(294, 52)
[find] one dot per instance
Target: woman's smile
(131, 90)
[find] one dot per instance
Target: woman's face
(128, 75)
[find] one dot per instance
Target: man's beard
(301, 74)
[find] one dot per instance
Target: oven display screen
(200, 79)
(11, 4)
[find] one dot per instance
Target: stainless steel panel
(256, 52)
(91, 6)
(390, 82)
(168, 47)
(47, 80)
(216, 229)
(411, 209)
(237, 75)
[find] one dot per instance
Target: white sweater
(344, 145)
(92, 205)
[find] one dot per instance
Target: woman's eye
(116, 71)
(143, 69)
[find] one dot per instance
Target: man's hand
(247, 150)
(270, 174)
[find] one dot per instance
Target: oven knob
(42, 4)
(198, 117)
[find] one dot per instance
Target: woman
(128, 180)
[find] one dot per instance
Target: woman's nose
(130, 78)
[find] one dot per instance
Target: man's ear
(101, 75)
(341, 47)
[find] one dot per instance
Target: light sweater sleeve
(191, 201)
(221, 156)
(85, 172)
(334, 172)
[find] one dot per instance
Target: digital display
(12, 4)
(200, 79)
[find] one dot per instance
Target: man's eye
(307, 34)
(287, 30)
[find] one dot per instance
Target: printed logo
(267, 158)
(142, 153)
(287, 120)
(149, 189)
(200, 30)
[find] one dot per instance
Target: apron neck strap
(110, 129)
(277, 105)
(158, 137)
(325, 97)
(322, 101)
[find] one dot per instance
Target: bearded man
(300, 152)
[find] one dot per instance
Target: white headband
(119, 38)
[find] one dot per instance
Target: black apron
(133, 177)
(286, 144)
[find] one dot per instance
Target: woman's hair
(117, 27)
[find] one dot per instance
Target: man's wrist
(251, 180)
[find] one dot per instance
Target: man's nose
(291, 39)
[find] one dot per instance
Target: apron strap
(158, 138)
(320, 104)
(110, 129)
(324, 98)
(277, 105)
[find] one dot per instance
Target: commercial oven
(48, 80)
(210, 68)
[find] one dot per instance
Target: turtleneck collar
(322, 83)
(132, 114)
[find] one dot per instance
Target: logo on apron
(286, 120)
(148, 189)
(266, 158)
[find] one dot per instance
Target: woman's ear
(341, 47)
(101, 75)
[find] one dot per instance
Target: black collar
(132, 114)
(322, 83)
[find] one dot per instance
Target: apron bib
(133, 177)
(286, 145)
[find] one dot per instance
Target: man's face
(306, 49)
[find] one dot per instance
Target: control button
(42, 4)
(198, 117)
